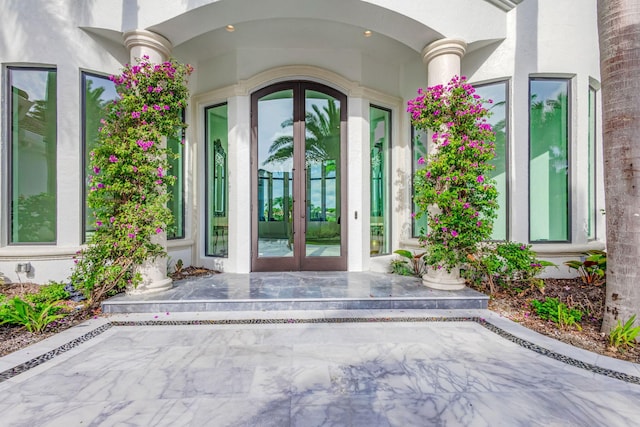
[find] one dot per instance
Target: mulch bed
(588, 298)
(14, 337)
(190, 272)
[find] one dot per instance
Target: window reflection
(216, 149)
(548, 160)
(380, 155)
(33, 155)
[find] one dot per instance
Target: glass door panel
(322, 165)
(298, 129)
(275, 174)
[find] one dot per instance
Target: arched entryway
(298, 167)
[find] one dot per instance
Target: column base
(444, 280)
(158, 286)
(154, 278)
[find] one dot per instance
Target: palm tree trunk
(619, 32)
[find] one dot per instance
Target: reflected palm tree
(548, 128)
(499, 128)
(322, 136)
(322, 159)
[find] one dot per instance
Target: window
(591, 185)
(175, 144)
(98, 91)
(216, 149)
(419, 140)
(497, 92)
(549, 160)
(32, 154)
(380, 186)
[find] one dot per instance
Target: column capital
(143, 42)
(443, 47)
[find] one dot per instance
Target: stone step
(447, 303)
(297, 291)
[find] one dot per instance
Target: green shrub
(47, 294)
(130, 174)
(624, 336)
(20, 312)
(593, 269)
(411, 264)
(504, 263)
(557, 312)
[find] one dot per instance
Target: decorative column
(143, 42)
(442, 58)
(158, 49)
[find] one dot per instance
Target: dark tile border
(23, 367)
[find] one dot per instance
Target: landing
(297, 290)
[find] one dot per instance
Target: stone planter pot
(443, 280)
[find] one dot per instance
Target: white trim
(358, 142)
(292, 72)
(505, 5)
(14, 253)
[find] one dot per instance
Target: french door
(298, 172)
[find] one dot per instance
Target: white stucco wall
(535, 38)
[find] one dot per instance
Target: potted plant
(453, 189)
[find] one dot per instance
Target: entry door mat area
(24, 367)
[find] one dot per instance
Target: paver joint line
(23, 367)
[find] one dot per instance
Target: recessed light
(230, 28)
(368, 33)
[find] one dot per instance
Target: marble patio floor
(313, 368)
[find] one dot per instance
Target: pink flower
(166, 107)
(135, 115)
(158, 230)
(145, 145)
(113, 159)
(421, 161)
(160, 172)
(100, 185)
(454, 233)
(144, 108)
(131, 235)
(479, 224)
(96, 170)
(112, 219)
(465, 206)
(480, 178)
(98, 223)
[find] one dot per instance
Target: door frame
(299, 261)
